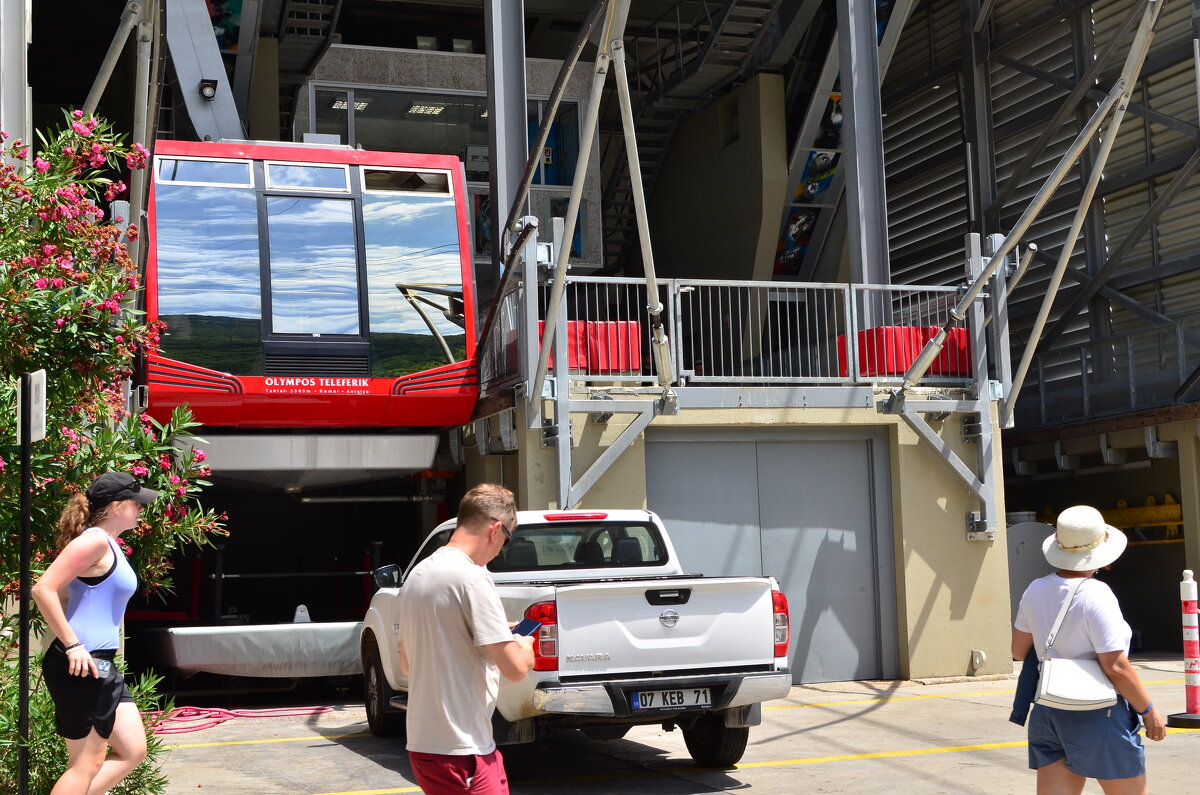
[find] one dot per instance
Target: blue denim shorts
(1099, 743)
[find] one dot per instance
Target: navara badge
(668, 618)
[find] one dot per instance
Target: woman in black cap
(82, 596)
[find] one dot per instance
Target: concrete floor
(939, 736)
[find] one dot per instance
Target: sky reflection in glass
(207, 251)
(409, 238)
(314, 282)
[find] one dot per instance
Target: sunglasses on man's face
(507, 533)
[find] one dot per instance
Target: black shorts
(83, 703)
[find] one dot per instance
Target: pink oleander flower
(80, 128)
(41, 283)
(77, 113)
(200, 456)
(175, 480)
(164, 463)
(60, 322)
(57, 283)
(137, 157)
(72, 448)
(42, 166)
(140, 470)
(1, 464)
(181, 491)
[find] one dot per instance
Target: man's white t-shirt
(449, 609)
(1093, 623)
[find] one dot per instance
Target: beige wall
(952, 594)
(716, 206)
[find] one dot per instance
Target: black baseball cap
(115, 486)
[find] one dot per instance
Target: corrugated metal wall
(1038, 50)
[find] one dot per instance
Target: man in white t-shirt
(456, 644)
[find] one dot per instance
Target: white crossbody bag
(1072, 684)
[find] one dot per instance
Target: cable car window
(414, 282)
(313, 269)
(378, 179)
(204, 172)
(307, 177)
(206, 248)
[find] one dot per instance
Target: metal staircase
(677, 66)
(815, 182)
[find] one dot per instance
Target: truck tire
(381, 718)
(713, 744)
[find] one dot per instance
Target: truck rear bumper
(613, 699)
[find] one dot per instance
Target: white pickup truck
(626, 638)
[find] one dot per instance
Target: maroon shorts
(442, 774)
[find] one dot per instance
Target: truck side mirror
(388, 576)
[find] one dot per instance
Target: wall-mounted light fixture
(208, 89)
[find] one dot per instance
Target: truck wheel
(382, 719)
(713, 744)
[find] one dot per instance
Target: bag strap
(1062, 613)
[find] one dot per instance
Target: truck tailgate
(666, 625)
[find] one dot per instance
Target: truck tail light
(783, 633)
(545, 640)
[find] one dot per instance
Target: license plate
(689, 698)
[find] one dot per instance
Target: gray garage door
(810, 509)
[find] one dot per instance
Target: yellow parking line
(909, 752)
(373, 791)
(920, 698)
(308, 739)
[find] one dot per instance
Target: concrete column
(14, 68)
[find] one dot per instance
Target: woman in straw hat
(1066, 748)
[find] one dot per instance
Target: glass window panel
(314, 273)
(412, 239)
(208, 276)
(378, 179)
(212, 172)
(331, 114)
(287, 175)
(559, 162)
(411, 121)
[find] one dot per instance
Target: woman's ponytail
(74, 519)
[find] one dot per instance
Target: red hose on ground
(193, 719)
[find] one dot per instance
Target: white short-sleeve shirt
(449, 610)
(1093, 623)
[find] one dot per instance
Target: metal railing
(1124, 373)
(725, 332)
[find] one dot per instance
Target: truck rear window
(581, 545)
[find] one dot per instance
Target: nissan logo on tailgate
(668, 618)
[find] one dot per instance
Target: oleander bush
(68, 298)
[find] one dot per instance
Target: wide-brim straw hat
(1083, 541)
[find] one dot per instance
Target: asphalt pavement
(931, 736)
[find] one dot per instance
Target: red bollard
(1191, 657)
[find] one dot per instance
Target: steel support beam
(645, 411)
(1119, 95)
(1097, 92)
(1164, 199)
(195, 56)
(508, 131)
(862, 142)
(1069, 105)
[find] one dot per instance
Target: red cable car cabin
(310, 286)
